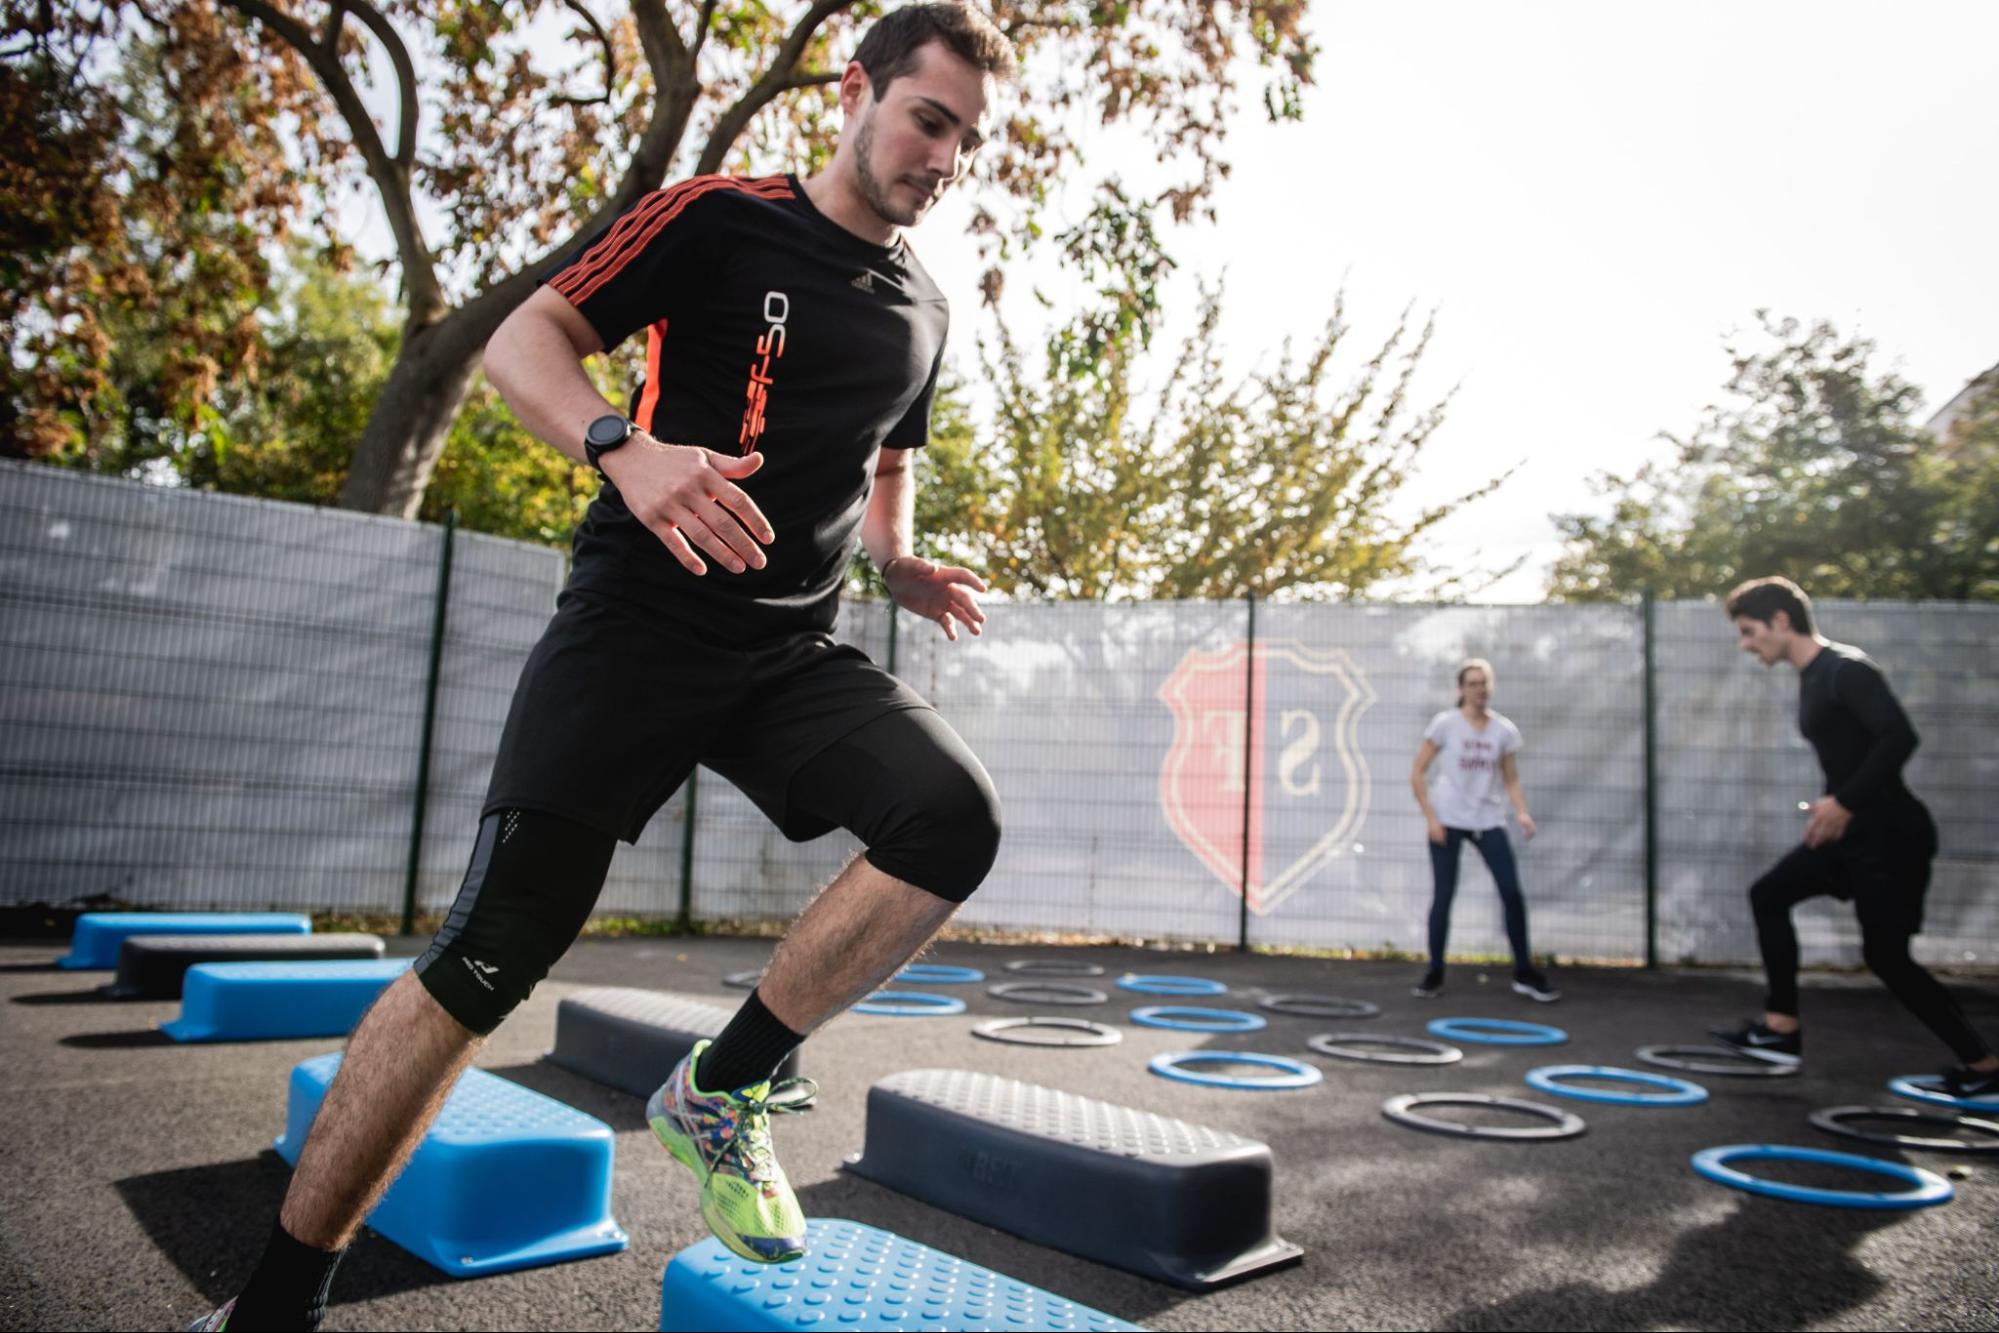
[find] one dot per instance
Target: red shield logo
(1272, 797)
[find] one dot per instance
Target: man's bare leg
(399, 1067)
(852, 937)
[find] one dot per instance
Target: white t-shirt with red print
(1469, 791)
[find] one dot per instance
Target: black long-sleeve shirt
(1861, 734)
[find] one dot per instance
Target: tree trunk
(420, 399)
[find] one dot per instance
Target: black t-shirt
(768, 328)
(1861, 734)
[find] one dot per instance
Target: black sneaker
(1430, 987)
(1754, 1038)
(1535, 987)
(1962, 1081)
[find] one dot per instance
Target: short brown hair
(1762, 599)
(889, 50)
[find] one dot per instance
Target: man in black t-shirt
(792, 349)
(1867, 838)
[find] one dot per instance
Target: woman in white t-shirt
(1478, 772)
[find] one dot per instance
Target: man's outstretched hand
(942, 593)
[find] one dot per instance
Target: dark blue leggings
(1498, 854)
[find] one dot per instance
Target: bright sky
(1594, 196)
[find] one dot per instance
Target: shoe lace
(749, 1149)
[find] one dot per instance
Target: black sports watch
(604, 434)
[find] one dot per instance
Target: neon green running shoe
(215, 1321)
(724, 1139)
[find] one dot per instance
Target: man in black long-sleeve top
(1867, 838)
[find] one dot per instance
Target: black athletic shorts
(614, 710)
(1882, 865)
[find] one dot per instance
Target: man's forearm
(887, 530)
(531, 362)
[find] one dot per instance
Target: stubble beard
(871, 187)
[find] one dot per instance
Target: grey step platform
(154, 967)
(855, 1276)
(631, 1039)
(1163, 1198)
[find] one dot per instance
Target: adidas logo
(864, 283)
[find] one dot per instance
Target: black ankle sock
(287, 1291)
(749, 1050)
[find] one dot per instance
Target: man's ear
(855, 88)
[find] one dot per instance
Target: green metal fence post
(686, 920)
(1248, 770)
(893, 621)
(422, 795)
(1651, 790)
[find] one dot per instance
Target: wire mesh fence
(219, 702)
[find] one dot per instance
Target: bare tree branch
(701, 21)
(390, 172)
(659, 39)
(777, 79)
(679, 87)
(399, 56)
(610, 58)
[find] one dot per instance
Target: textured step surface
(506, 1178)
(855, 1276)
(631, 1039)
(1156, 1196)
(94, 944)
(153, 967)
(267, 1001)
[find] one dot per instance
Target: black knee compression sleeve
(529, 889)
(914, 793)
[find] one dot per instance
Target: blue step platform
(266, 1001)
(505, 1179)
(98, 935)
(855, 1276)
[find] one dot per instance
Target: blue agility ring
(1186, 1018)
(1672, 1091)
(1928, 1189)
(1923, 1088)
(1154, 985)
(1297, 1074)
(1497, 1032)
(910, 1004)
(939, 974)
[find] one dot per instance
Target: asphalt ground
(139, 1180)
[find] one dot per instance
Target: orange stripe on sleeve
(621, 231)
(638, 228)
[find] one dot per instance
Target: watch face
(607, 431)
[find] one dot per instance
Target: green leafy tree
(1963, 472)
(1812, 468)
(286, 428)
(1091, 483)
(514, 128)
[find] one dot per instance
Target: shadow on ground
(135, 1039)
(196, 1214)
